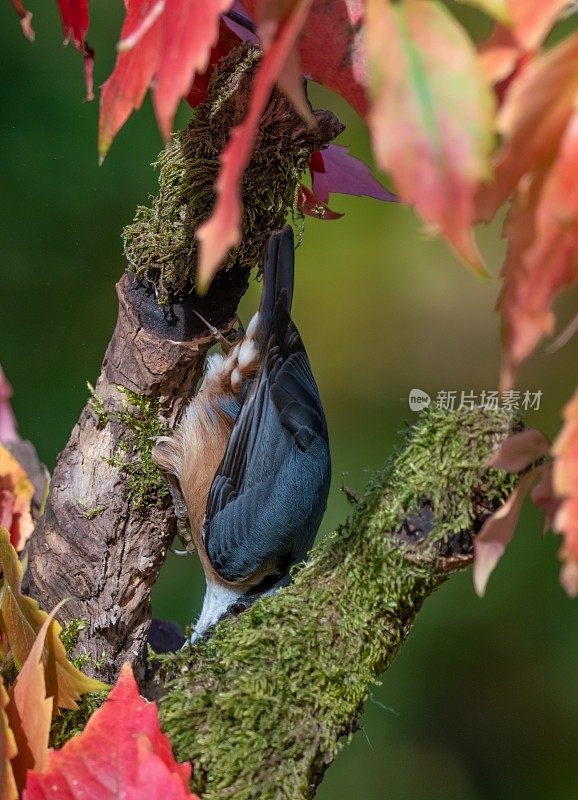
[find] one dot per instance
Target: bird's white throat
(217, 600)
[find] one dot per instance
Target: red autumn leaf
(534, 116)
(228, 39)
(8, 431)
(270, 15)
(165, 45)
(520, 450)
(30, 710)
(431, 116)
(335, 171)
(190, 31)
(532, 19)
(311, 205)
(496, 533)
(120, 753)
(75, 21)
(25, 19)
(222, 229)
(126, 87)
(565, 480)
(340, 64)
(539, 268)
(8, 751)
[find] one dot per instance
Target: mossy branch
(263, 706)
(108, 520)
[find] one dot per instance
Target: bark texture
(93, 544)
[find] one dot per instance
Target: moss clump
(97, 405)
(70, 633)
(160, 244)
(140, 417)
(261, 708)
(70, 723)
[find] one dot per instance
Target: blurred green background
(482, 701)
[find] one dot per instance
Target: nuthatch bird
(251, 454)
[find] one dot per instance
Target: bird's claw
(229, 340)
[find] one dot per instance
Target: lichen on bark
(262, 706)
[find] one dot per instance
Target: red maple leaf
(121, 753)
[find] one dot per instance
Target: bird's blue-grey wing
(269, 494)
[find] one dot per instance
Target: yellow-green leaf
(22, 618)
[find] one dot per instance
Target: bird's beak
(218, 598)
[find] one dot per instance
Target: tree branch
(108, 519)
(261, 708)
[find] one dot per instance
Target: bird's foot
(229, 340)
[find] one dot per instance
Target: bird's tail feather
(278, 276)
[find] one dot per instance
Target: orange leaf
(532, 19)
(565, 480)
(520, 450)
(539, 103)
(14, 484)
(30, 709)
(431, 117)
(496, 533)
(8, 751)
(120, 753)
(222, 229)
(500, 56)
(544, 498)
(543, 258)
(22, 620)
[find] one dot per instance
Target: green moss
(70, 633)
(97, 405)
(89, 512)
(140, 417)
(160, 244)
(261, 708)
(69, 723)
